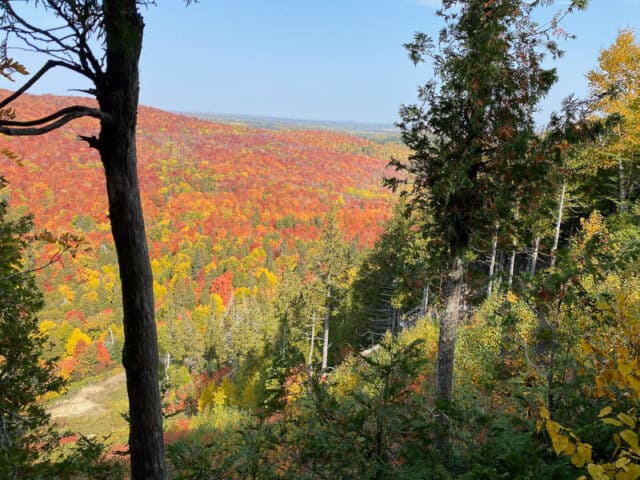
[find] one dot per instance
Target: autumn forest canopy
(192, 299)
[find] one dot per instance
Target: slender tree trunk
(313, 341)
(325, 341)
(556, 236)
(117, 93)
(425, 301)
(492, 262)
(534, 257)
(449, 329)
(623, 192)
(167, 364)
(512, 265)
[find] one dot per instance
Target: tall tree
(616, 84)
(331, 266)
(472, 136)
(69, 38)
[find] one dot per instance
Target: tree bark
(534, 257)
(512, 265)
(449, 329)
(621, 180)
(313, 340)
(325, 341)
(492, 262)
(117, 94)
(425, 301)
(556, 236)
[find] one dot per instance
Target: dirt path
(88, 401)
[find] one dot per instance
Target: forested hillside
(230, 212)
(477, 319)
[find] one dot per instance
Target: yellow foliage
(611, 351)
(46, 327)
(264, 275)
(212, 396)
(90, 296)
(218, 305)
(76, 337)
(241, 292)
(159, 291)
(93, 281)
(67, 292)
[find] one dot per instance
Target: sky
(338, 60)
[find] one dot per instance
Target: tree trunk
(512, 265)
(492, 263)
(313, 340)
(117, 93)
(449, 329)
(167, 364)
(556, 236)
(425, 301)
(325, 341)
(534, 257)
(623, 192)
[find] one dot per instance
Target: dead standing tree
(101, 40)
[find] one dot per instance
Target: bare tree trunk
(556, 236)
(512, 265)
(623, 193)
(313, 340)
(534, 257)
(325, 341)
(425, 301)
(492, 263)
(167, 364)
(449, 329)
(117, 93)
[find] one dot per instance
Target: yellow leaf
(544, 413)
(622, 461)
(569, 449)
(624, 368)
(604, 412)
(632, 473)
(634, 383)
(560, 443)
(626, 419)
(596, 472)
(612, 421)
(631, 438)
(582, 455)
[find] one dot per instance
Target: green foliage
(471, 152)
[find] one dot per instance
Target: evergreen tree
(472, 137)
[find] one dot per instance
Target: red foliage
(102, 354)
(77, 315)
(223, 286)
(80, 348)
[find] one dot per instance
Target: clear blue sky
(316, 59)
